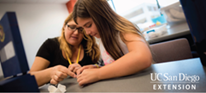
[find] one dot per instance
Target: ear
(63, 30)
(64, 27)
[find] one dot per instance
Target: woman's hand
(59, 73)
(88, 76)
(79, 71)
(74, 67)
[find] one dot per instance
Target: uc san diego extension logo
(2, 34)
(181, 81)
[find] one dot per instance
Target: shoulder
(51, 41)
(50, 44)
(129, 36)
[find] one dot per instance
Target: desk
(173, 32)
(142, 82)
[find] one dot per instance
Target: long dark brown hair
(88, 43)
(109, 23)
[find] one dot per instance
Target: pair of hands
(59, 72)
(86, 74)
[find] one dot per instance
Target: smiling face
(89, 26)
(72, 35)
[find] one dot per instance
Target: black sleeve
(46, 50)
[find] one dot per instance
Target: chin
(97, 36)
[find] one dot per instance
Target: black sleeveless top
(50, 50)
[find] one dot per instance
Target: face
(72, 33)
(89, 26)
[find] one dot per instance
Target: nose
(76, 31)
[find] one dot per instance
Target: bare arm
(138, 58)
(53, 74)
(39, 70)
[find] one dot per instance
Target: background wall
(37, 22)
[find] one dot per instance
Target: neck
(76, 47)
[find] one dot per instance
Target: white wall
(37, 22)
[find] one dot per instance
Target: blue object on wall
(13, 58)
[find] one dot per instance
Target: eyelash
(89, 26)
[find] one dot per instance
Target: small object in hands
(54, 85)
(58, 88)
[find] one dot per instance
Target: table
(173, 32)
(145, 81)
